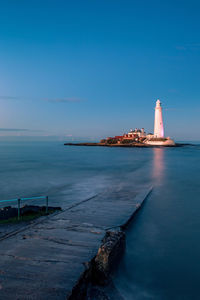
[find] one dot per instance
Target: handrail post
(47, 203)
(18, 202)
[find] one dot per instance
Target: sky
(94, 68)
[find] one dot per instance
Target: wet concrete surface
(45, 259)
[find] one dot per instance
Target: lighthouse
(158, 122)
(158, 138)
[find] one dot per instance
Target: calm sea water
(162, 259)
(65, 174)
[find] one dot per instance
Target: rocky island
(131, 143)
(137, 137)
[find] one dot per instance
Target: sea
(162, 257)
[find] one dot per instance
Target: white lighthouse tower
(158, 139)
(158, 122)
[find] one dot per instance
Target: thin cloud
(173, 91)
(19, 130)
(63, 100)
(52, 100)
(172, 109)
(9, 98)
(13, 129)
(191, 46)
(181, 48)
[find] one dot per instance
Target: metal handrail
(41, 197)
(24, 199)
(8, 200)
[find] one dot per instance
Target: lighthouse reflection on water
(158, 166)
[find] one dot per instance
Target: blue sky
(89, 69)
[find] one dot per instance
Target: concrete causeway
(45, 260)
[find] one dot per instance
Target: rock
(96, 283)
(27, 209)
(8, 212)
(79, 291)
(108, 292)
(11, 212)
(108, 255)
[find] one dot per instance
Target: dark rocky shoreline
(132, 145)
(10, 212)
(96, 282)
